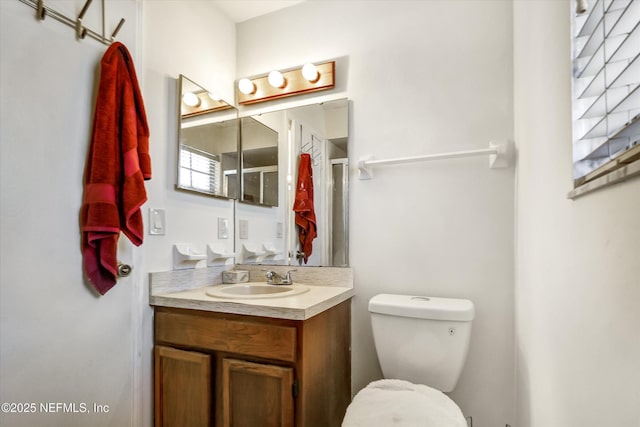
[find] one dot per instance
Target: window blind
(606, 87)
(199, 170)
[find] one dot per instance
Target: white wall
(444, 228)
(191, 38)
(423, 77)
(578, 262)
(201, 45)
(59, 341)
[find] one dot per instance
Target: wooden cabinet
(182, 387)
(228, 370)
(255, 394)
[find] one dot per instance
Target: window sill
(616, 176)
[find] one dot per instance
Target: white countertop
(295, 307)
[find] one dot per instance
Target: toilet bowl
(422, 344)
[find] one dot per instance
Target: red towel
(303, 206)
(118, 162)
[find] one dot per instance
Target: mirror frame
(219, 111)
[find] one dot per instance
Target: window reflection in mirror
(207, 142)
(259, 163)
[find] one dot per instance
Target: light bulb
(246, 86)
(213, 96)
(276, 79)
(310, 72)
(191, 99)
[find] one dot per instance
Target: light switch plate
(157, 222)
(279, 226)
(223, 228)
(243, 225)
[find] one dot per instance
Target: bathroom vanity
(269, 362)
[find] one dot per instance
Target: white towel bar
(499, 152)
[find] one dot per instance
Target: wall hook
(81, 31)
(115, 32)
(41, 12)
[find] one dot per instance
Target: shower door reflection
(339, 243)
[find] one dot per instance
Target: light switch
(243, 225)
(223, 228)
(157, 222)
(279, 230)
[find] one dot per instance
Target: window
(199, 170)
(606, 91)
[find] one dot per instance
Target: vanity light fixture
(195, 104)
(280, 84)
(190, 99)
(276, 79)
(246, 86)
(310, 72)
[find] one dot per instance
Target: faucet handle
(270, 274)
(287, 276)
(273, 278)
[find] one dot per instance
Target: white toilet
(422, 344)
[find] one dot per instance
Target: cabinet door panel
(254, 394)
(182, 388)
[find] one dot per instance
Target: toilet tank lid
(423, 307)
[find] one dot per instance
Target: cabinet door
(254, 394)
(182, 388)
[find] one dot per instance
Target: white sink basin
(255, 290)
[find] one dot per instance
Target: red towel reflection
(303, 206)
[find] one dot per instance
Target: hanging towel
(400, 403)
(303, 206)
(118, 162)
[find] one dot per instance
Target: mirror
(259, 162)
(270, 236)
(208, 134)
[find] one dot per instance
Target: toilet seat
(400, 403)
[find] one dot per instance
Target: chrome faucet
(273, 278)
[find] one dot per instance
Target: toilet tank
(424, 340)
